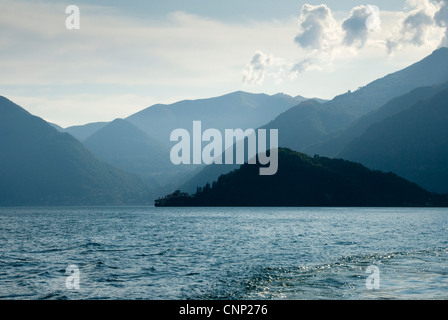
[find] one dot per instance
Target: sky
(129, 55)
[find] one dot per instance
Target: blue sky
(129, 55)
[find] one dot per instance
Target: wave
(419, 274)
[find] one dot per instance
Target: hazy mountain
(306, 181)
(333, 146)
(42, 166)
(57, 127)
(289, 130)
(301, 125)
(235, 110)
(430, 71)
(312, 123)
(301, 99)
(82, 132)
(327, 128)
(123, 145)
(141, 143)
(412, 143)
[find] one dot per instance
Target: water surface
(223, 253)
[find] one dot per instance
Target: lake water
(223, 253)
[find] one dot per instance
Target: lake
(223, 253)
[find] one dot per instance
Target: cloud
(324, 38)
(264, 66)
(321, 39)
(356, 26)
(416, 26)
(302, 66)
(317, 28)
(319, 35)
(441, 19)
(256, 69)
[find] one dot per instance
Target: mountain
(235, 110)
(305, 181)
(57, 127)
(326, 128)
(412, 143)
(141, 143)
(301, 125)
(211, 172)
(430, 71)
(312, 123)
(126, 147)
(145, 148)
(301, 99)
(82, 132)
(335, 145)
(42, 166)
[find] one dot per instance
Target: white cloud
(323, 39)
(418, 27)
(318, 36)
(318, 30)
(264, 66)
(355, 26)
(302, 66)
(255, 71)
(441, 18)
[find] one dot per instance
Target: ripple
(223, 253)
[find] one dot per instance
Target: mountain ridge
(335, 145)
(41, 166)
(412, 143)
(324, 121)
(239, 110)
